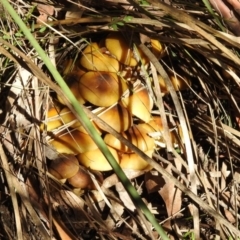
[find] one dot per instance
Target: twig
(12, 188)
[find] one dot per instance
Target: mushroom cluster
(98, 79)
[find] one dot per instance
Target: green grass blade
(211, 11)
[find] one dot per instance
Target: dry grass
(34, 205)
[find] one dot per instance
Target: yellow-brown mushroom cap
(155, 125)
(95, 160)
(121, 47)
(94, 60)
(139, 103)
(72, 81)
(139, 56)
(118, 46)
(101, 88)
(117, 116)
(115, 143)
(92, 48)
(56, 119)
(67, 116)
(73, 142)
(157, 48)
(70, 67)
(82, 129)
(178, 83)
(53, 120)
(134, 161)
(137, 135)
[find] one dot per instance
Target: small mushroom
(67, 116)
(115, 143)
(225, 72)
(83, 180)
(157, 48)
(72, 81)
(117, 116)
(178, 83)
(53, 120)
(95, 160)
(139, 56)
(73, 142)
(83, 130)
(57, 119)
(70, 67)
(154, 125)
(155, 128)
(94, 60)
(119, 47)
(139, 103)
(137, 135)
(92, 48)
(65, 166)
(134, 161)
(101, 88)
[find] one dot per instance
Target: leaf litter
(210, 113)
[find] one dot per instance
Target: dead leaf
(74, 14)
(228, 199)
(236, 175)
(171, 195)
(153, 181)
(151, 208)
(124, 196)
(225, 173)
(62, 230)
(113, 179)
(115, 216)
(229, 216)
(45, 11)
